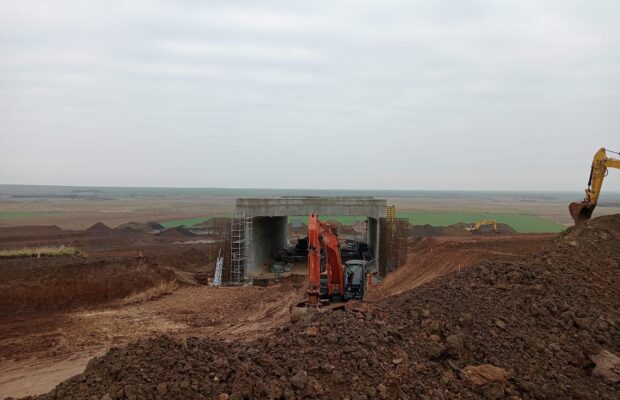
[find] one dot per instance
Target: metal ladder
(240, 247)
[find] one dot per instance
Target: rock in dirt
(482, 375)
(607, 366)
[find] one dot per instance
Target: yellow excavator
(582, 211)
(477, 225)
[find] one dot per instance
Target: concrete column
(373, 236)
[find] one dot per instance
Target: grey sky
(505, 95)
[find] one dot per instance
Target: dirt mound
(148, 227)
(524, 329)
(459, 230)
(29, 231)
(176, 233)
(426, 230)
(100, 229)
(155, 225)
(431, 258)
(50, 283)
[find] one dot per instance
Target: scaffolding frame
(240, 247)
(393, 241)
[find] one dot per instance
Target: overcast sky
(507, 95)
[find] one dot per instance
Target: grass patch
(62, 251)
(21, 214)
(184, 222)
(521, 223)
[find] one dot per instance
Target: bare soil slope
(44, 284)
(430, 258)
(39, 351)
(539, 320)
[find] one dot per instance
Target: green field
(521, 223)
(21, 214)
(184, 222)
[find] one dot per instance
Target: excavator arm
(582, 211)
(324, 235)
(314, 261)
(335, 272)
(321, 234)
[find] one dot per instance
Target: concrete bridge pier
(269, 217)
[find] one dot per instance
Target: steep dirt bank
(44, 284)
(533, 325)
(430, 258)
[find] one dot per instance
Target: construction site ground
(59, 313)
(545, 325)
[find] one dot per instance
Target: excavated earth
(522, 329)
(432, 257)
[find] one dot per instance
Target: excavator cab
(354, 279)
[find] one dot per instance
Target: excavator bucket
(580, 211)
(298, 311)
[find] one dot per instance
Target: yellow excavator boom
(582, 211)
(478, 224)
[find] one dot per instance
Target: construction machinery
(582, 211)
(329, 281)
(476, 226)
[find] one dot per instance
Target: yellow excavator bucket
(581, 211)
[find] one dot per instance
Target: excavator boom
(335, 272)
(314, 261)
(322, 234)
(582, 211)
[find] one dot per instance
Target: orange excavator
(326, 234)
(335, 283)
(582, 211)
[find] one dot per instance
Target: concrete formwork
(269, 219)
(268, 236)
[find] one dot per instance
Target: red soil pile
(99, 228)
(34, 285)
(130, 227)
(431, 258)
(176, 233)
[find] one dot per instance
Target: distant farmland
(521, 223)
(184, 222)
(21, 214)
